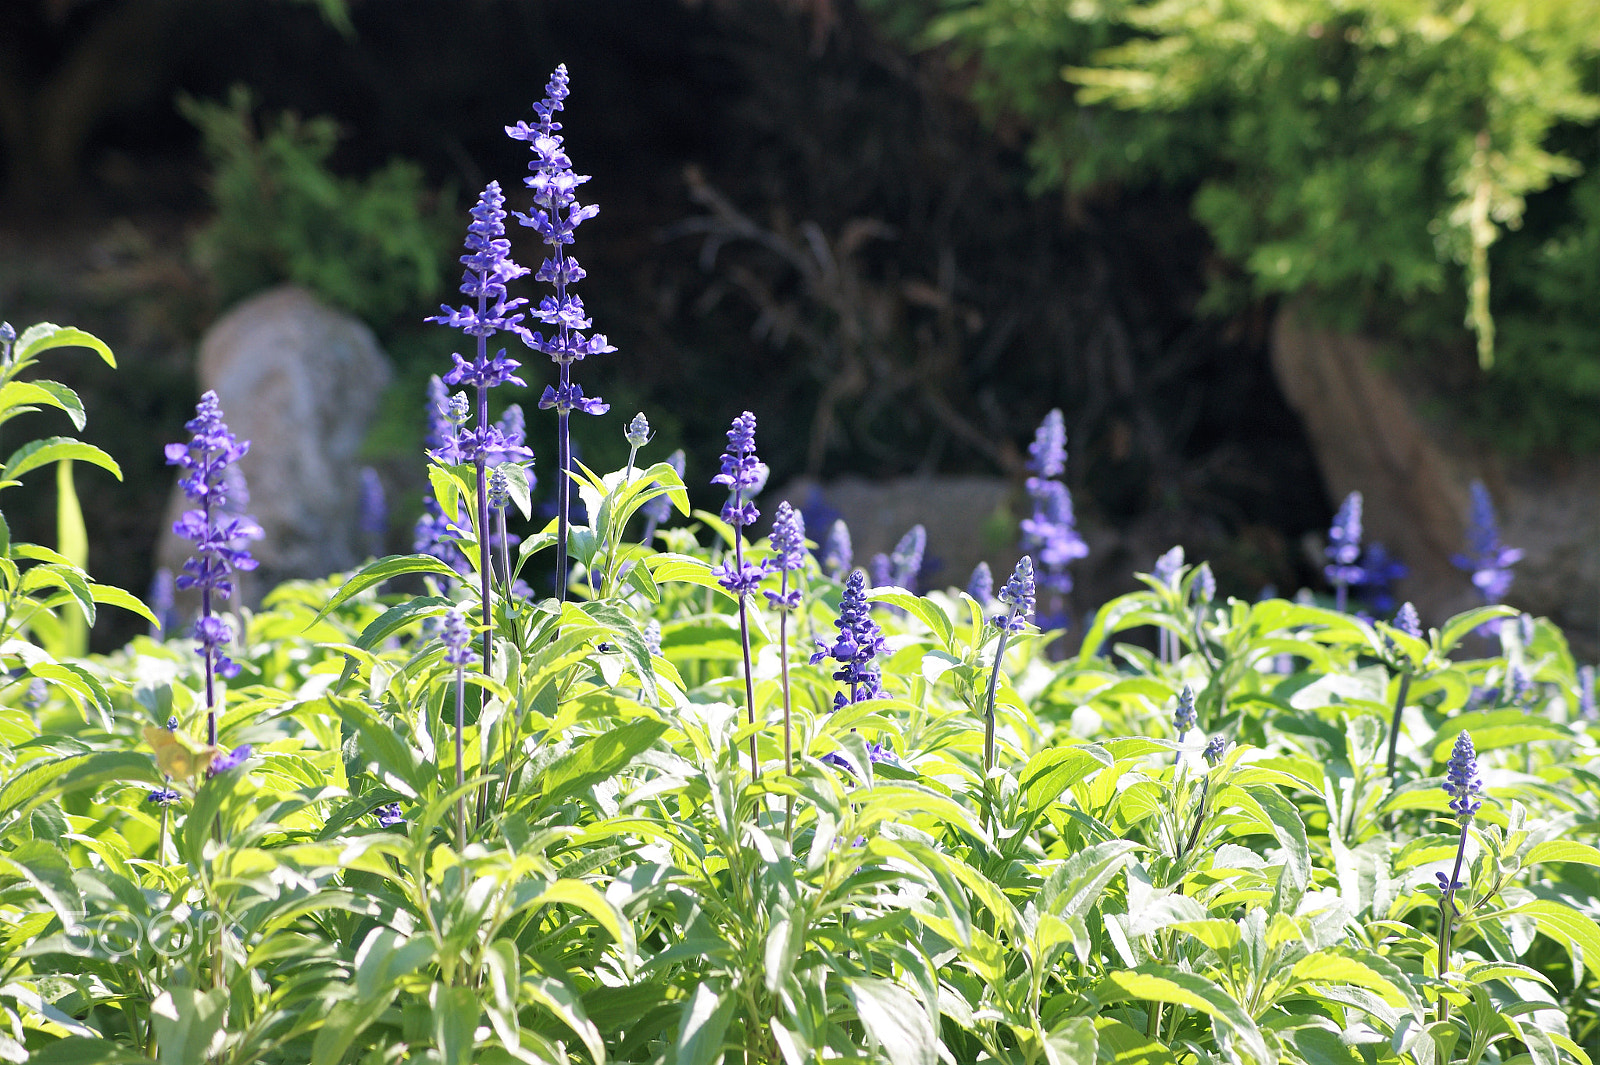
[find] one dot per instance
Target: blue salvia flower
(742, 474)
(555, 217)
(859, 642)
(1215, 747)
(1344, 547)
(1586, 699)
(1463, 784)
(1525, 629)
(163, 603)
(1380, 571)
(788, 539)
(499, 489)
(1407, 621)
(1052, 533)
(652, 637)
(1205, 584)
(457, 638)
(1184, 717)
(1519, 686)
(1489, 560)
(836, 553)
(8, 337)
(232, 760)
(905, 561)
(1017, 596)
(1048, 452)
(638, 432)
(981, 584)
(1461, 779)
(220, 538)
(389, 815)
(1168, 565)
(162, 796)
(373, 516)
(489, 268)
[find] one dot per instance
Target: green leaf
(598, 759)
(391, 759)
(1077, 883)
(1562, 850)
(1572, 929)
(79, 1050)
(345, 1021)
(455, 1019)
(376, 573)
(1120, 1044)
(896, 1023)
(559, 998)
(704, 1021)
(110, 595)
(186, 1021)
(1455, 630)
(669, 567)
(384, 957)
(626, 634)
(927, 611)
(36, 453)
(1152, 982)
(72, 540)
(14, 394)
(44, 336)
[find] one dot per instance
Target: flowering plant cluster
(635, 821)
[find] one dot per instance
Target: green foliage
(629, 890)
(1364, 154)
(377, 246)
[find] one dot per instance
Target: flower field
(720, 797)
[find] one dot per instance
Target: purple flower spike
(836, 553)
(1344, 545)
(1017, 596)
(1461, 779)
(1168, 565)
(220, 538)
(1586, 700)
(1490, 561)
(389, 815)
(374, 515)
(788, 539)
(659, 509)
(570, 397)
(742, 473)
(1215, 747)
(162, 797)
(981, 584)
(1408, 622)
(457, 638)
(859, 642)
(489, 268)
(1048, 452)
(1184, 717)
(905, 561)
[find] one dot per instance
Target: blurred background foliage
(898, 230)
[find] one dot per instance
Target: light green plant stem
(1394, 724)
(994, 684)
(461, 776)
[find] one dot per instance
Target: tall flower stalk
(220, 538)
(1051, 533)
(489, 269)
(1489, 561)
(1407, 621)
(788, 539)
(457, 639)
(1018, 598)
(743, 474)
(1464, 785)
(1344, 550)
(555, 217)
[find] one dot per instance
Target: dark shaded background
(797, 218)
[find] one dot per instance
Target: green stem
(1394, 724)
(988, 714)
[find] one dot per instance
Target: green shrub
(1365, 154)
(376, 246)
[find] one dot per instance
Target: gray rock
(302, 383)
(1369, 432)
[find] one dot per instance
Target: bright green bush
(1366, 154)
(377, 246)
